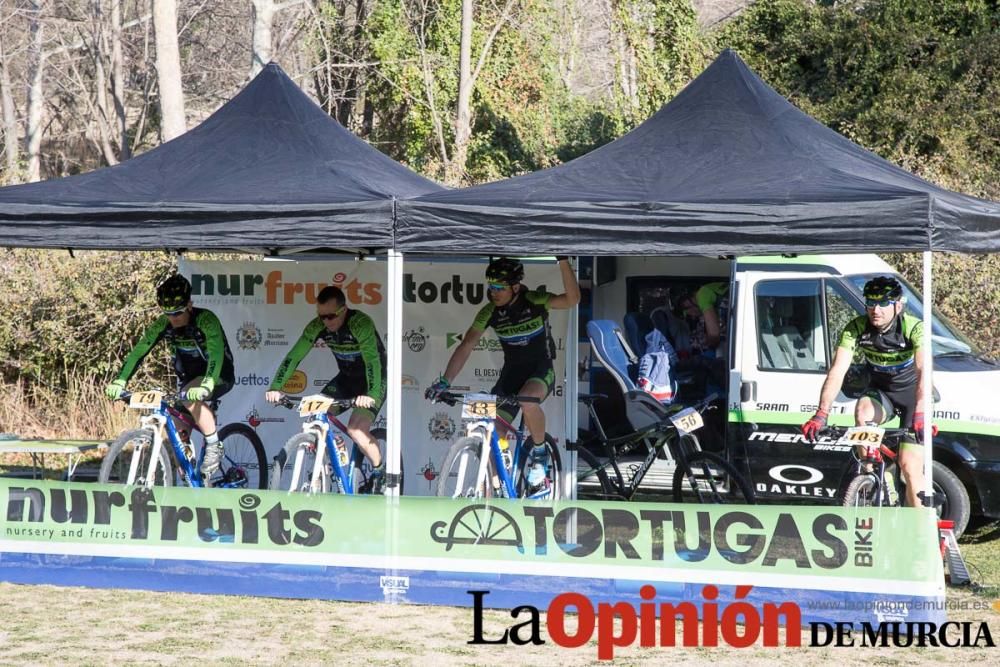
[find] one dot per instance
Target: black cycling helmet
(173, 293)
(882, 287)
(505, 270)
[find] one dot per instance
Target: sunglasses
(332, 316)
(879, 303)
(174, 313)
(496, 287)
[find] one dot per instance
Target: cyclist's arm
(364, 331)
(215, 347)
(149, 339)
(296, 354)
(713, 333)
(462, 352)
(835, 378)
(571, 296)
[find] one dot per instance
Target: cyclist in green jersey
(202, 360)
(360, 355)
(890, 341)
(520, 317)
(713, 302)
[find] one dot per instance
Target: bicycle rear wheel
(459, 476)
(711, 479)
(292, 468)
(130, 444)
(589, 470)
(244, 464)
(552, 490)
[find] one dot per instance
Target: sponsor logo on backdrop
(487, 372)
(297, 383)
(253, 380)
(441, 426)
(485, 344)
(272, 288)
(275, 337)
(254, 419)
(429, 472)
(322, 383)
(416, 339)
(248, 336)
(796, 480)
(410, 383)
(379, 422)
(454, 290)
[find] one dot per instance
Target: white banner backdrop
(264, 305)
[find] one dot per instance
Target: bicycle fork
(155, 424)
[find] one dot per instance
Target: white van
(784, 319)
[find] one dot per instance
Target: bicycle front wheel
(135, 445)
(459, 476)
(712, 480)
(292, 468)
(863, 491)
(588, 471)
(244, 463)
(552, 489)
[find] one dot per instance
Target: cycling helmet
(173, 293)
(882, 287)
(505, 270)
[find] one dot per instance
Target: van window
(790, 331)
(839, 312)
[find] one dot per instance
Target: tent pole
(928, 364)
(394, 371)
(572, 390)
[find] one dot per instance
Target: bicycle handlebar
(837, 431)
(454, 397)
(286, 402)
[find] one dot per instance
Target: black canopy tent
(729, 166)
(268, 170)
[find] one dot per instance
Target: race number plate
(145, 400)
(862, 435)
(316, 404)
(687, 420)
(479, 406)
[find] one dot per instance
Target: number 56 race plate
(687, 420)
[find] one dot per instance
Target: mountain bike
(339, 465)
(699, 473)
(492, 459)
(873, 480)
(139, 457)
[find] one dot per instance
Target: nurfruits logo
(274, 289)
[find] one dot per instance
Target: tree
(168, 70)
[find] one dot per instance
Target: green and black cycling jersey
(522, 327)
(891, 356)
(200, 349)
(356, 345)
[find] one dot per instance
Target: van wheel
(956, 505)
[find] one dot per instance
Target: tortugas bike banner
(430, 550)
(265, 305)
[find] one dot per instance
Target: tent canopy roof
(728, 166)
(269, 169)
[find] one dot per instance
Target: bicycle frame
(157, 423)
(323, 426)
(506, 477)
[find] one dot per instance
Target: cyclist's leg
(911, 450)
(539, 386)
(873, 407)
(360, 430)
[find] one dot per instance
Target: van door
(789, 324)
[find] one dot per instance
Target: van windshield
(947, 339)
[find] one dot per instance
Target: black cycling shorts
(345, 387)
(512, 380)
(891, 402)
